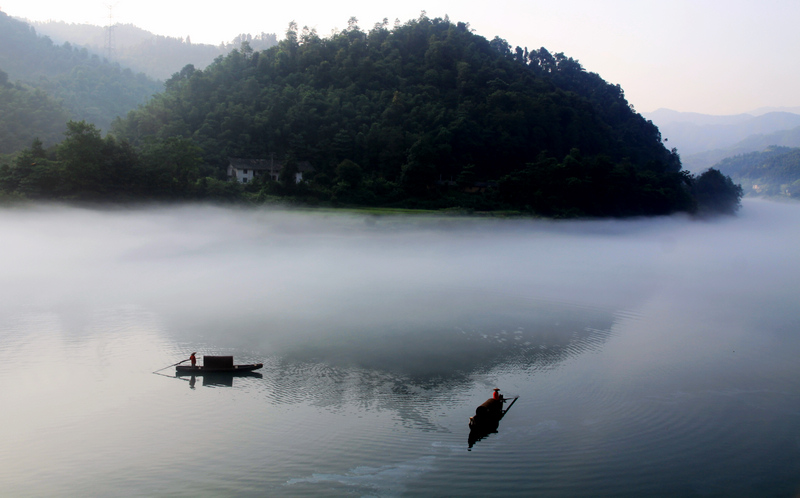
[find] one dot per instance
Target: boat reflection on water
(487, 419)
(215, 379)
(216, 371)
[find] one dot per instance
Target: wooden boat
(184, 369)
(217, 364)
(487, 419)
(488, 413)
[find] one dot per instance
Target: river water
(649, 357)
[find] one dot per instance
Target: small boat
(184, 369)
(488, 413)
(217, 364)
(487, 419)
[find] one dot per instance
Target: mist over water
(628, 341)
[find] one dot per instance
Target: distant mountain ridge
(754, 143)
(764, 110)
(666, 116)
(693, 133)
(155, 55)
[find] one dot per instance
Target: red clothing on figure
(497, 394)
(193, 359)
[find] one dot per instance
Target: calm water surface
(649, 357)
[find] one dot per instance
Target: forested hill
(420, 103)
(772, 172)
(422, 115)
(88, 87)
(27, 113)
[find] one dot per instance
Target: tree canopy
(716, 193)
(87, 86)
(27, 113)
(774, 171)
(413, 105)
(423, 114)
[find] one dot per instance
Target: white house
(246, 170)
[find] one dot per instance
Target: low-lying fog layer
(650, 356)
(269, 278)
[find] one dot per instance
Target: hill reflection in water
(415, 371)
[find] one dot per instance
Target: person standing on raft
(496, 394)
(193, 359)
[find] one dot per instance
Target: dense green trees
(426, 114)
(33, 174)
(418, 106)
(86, 166)
(595, 186)
(27, 113)
(84, 85)
(772, 172)
(716, 193)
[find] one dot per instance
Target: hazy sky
(708, 56)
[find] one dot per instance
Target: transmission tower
(110, 48)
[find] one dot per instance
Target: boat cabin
(218, 361)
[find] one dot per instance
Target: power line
(110, 48)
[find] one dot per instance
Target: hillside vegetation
(419, 104)
(27, 113)
(86, 86)
(425, 114)
(772, 172)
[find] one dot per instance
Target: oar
(171, 376)
(512, 404)
(160, 369)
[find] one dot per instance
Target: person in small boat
(193, 359)
(496, 395)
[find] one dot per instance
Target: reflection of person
(193, 359)
(191, 382)
(496, 395)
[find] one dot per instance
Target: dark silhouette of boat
(487, 418)
(189, 370)
(217, 365)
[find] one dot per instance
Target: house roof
(239, 163)
(266, 164)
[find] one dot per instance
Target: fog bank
(271, 280)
